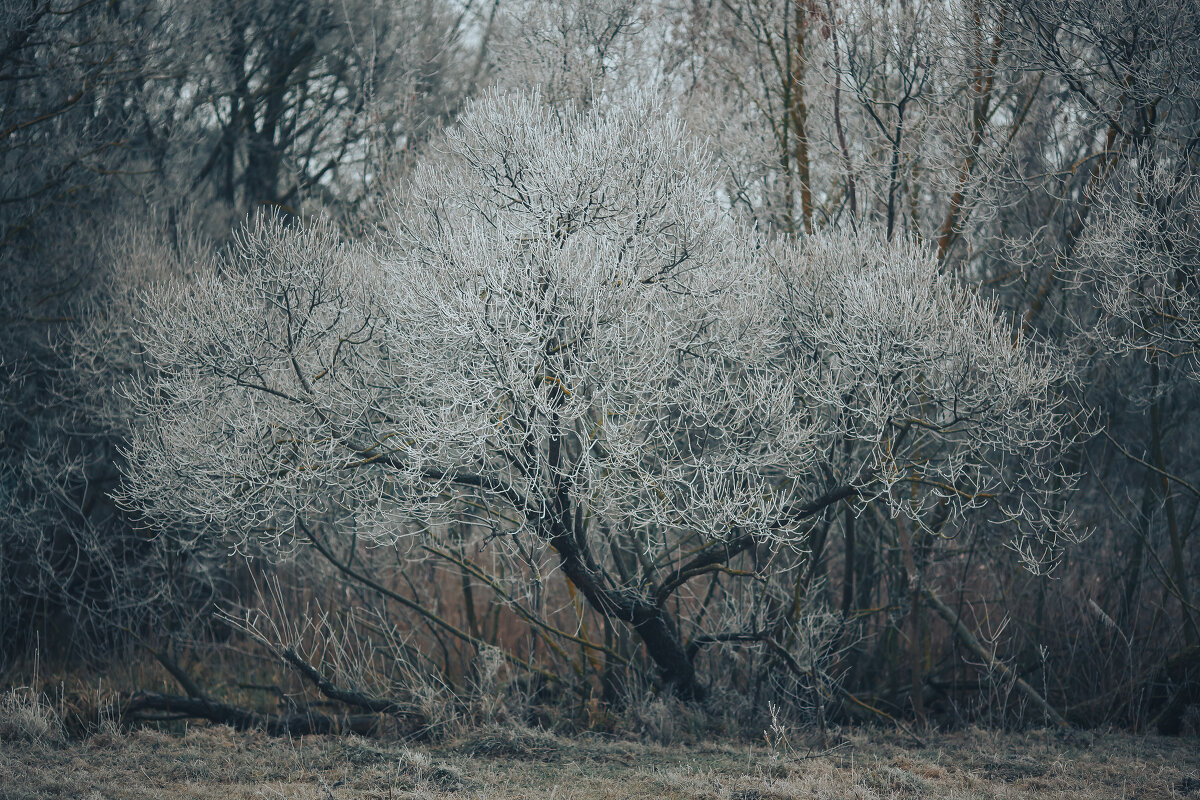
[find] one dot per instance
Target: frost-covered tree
(562, 333)
(1140, 259)
(1113, 205)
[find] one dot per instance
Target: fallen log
(197, 704)
(299, 723)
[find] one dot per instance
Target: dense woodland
(604, 364)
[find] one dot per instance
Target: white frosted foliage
(562, 328)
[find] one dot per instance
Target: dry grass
(26, 715)
(208, 762)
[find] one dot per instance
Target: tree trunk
(651, 622)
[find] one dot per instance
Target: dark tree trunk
(651, 622)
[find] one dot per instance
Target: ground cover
(496, 763)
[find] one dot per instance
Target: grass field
(219, 763)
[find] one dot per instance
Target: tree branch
(378, 705)
(966, 637)
(720, 555)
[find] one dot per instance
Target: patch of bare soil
(491, 764)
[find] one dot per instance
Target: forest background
(971, 227)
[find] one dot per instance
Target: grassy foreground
(209, 762)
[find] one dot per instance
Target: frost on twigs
(604, 328)
(1140, 258)
(262, 381)
(563, 333)
(945, 407)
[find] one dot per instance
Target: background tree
(1021, 121)
(127, 133)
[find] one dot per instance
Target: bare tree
(567, 339)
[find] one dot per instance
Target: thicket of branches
(495, 359)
